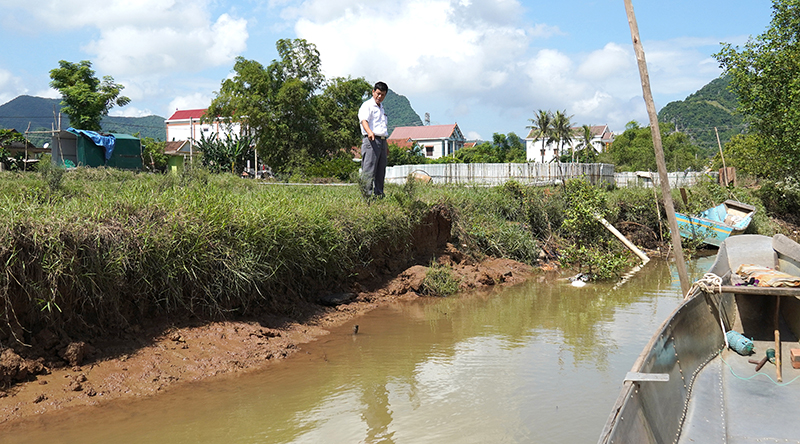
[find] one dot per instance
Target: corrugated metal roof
(423, 132)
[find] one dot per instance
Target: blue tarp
(106, 142)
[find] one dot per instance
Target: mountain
(41, 114)
(711, 106)
(399, 111)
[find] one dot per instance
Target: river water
(541, 362)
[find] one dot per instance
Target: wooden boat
(688, 386)
(716, 224)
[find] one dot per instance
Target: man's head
(379, 92)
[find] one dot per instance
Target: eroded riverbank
(146, 360)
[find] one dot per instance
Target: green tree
(542, 128)
(338, 112)
(85, 99)
(633, 149)
(562, 130)
(295, 117)
(8, 137)
(587, 151)
(399, 155)
(764, 76)
(153, 157)
(501, 149)
(746, 153)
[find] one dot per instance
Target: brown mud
(149, 357)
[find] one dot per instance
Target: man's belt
(378, 137)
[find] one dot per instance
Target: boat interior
(733, 402)
(689, 386)
(737, 398)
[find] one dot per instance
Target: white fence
(535, 174)
(499, 173)
(647, 179)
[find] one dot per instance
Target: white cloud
(191, 101)
(423, 46)
(10, 86)
(607, 62)
(130, 111)
(133, 50)
(48, 93)
(146, 36)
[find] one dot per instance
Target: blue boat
(716, 224)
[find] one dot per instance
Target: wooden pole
(778, 339)
(623, 239)
(669, 206)
(724, 168)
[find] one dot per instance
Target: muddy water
(539, 363)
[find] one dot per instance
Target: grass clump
(440, 281)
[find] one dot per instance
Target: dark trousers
(373, 165)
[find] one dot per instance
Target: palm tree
(585, 143)
(562, 129)
(542, 125)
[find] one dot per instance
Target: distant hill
(42, 113)
(711, 106)
(399, 110)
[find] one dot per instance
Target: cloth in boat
(767, 277)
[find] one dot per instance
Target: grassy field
(99, 248)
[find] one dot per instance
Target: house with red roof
(436, 140)
(538, 151)
(186, 124)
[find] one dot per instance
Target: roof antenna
(427, 119)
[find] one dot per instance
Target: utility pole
(659, 151)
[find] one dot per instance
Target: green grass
(99, 248)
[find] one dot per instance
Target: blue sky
(486, 64)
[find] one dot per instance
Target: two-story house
(537, 150)
(185, 128)
(436, 140)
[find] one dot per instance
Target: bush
(439, 281)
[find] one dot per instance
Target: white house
(186, 125)
(436, 140)
(538, 151)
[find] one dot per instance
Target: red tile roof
(185, 114)
(422, 132)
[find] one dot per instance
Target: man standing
(374, 148)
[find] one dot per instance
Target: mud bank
(149, 358)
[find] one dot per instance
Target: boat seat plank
(758, 291)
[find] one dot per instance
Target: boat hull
(716, 224)
(703, 400)
(711, 232)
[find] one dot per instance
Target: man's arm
(370, 134)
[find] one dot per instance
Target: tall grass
(110, 246)
(100, 248)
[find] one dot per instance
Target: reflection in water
(541, 362)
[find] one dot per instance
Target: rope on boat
(706, 284)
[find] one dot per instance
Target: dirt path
(145, 360)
